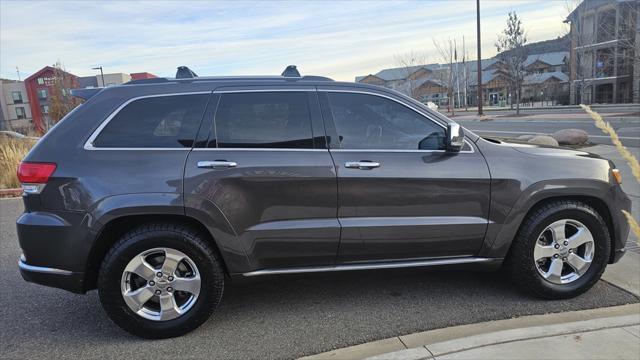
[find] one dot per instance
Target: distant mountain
(562, 43)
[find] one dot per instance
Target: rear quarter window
(155, 122)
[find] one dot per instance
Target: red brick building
(41, 88)
(142, 75)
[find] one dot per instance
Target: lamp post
(101, 74)
(479, 58)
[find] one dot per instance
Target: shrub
(12, 151)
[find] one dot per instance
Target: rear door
(266, 167)
(400, 195)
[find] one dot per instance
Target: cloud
(337, 39)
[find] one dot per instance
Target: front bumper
(63, 279)
(619, 201)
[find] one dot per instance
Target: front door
(267, 170)
(400, 195)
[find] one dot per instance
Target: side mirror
(455, 137)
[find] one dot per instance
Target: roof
(542, 77)
(552, 58)
(44, 69)
(592, 4)
(400, 73)
(431, 80)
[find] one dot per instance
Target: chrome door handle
(362, 165)
(216, 164)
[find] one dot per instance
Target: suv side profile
(158, 191)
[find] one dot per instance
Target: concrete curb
(446, 338)
(507, 336)
(10, 192)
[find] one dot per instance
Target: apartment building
(605, 48)
(16, 109)
(546, 80)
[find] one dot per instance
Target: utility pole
(101, 74)
(18, 71)
(464, 71)
(479, 59)
(455, 44)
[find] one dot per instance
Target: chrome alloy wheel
(160, 284)
(564, 251)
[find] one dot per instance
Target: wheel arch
(113, 230)
(599, 205)
(501, 233)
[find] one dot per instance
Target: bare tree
(445, 51)
(512, 53)
(409, 63)
(61, 101)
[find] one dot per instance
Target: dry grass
(608, 129)
(12, 151)
(626, 154)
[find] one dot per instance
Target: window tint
(163, 122)
(373, 122)
(264, 120)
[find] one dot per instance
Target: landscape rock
(526, 137)
(571, 136)
(543, 140)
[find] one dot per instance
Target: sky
(340, 39)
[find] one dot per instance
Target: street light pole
(101, 74)
(479, 59)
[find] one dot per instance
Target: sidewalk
(605, 338)
(606, 333)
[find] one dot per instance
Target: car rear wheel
(561, 250)
(160, 280)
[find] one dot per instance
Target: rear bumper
(62, 279)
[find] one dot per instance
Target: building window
(20, 113)
(17, 97)
(45, 109)
(42, 94)
(40, 81)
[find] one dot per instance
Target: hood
(545, 150)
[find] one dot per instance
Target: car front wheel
(160, 281)
(561, 250)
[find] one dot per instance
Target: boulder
(543, 140)
(526, 137)
(571, 136)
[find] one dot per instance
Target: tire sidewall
(602, 247)
(110, 281)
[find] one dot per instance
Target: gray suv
(158, 192)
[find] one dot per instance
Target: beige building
(16, 111)
(113, 79)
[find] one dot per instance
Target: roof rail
(185, 73)
(291, 71)
(147, 81)
(315, 78)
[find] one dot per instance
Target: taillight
(35, 172)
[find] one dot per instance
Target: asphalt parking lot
(270, 317)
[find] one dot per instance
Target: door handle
(362, 165)
(216, 164)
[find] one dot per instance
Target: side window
(373, 122)
(160, 122)
(264, 120)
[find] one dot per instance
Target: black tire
(149, 236)
(520, 262)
